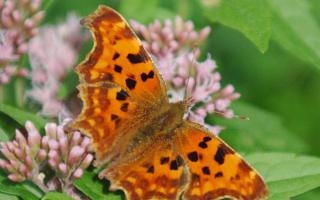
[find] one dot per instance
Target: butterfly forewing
(119, 57)
(116, 77)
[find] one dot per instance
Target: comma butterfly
(153, 152)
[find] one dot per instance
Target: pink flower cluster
(52, 54)
(18, 24)
(174, 47)
(27, 158)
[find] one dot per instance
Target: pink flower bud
(53, 163)
(3, 163)
(10, 168)
(204, 33)
(29, 175)
(75, 154)
(51, 130)
(29, 24)
(23, 169)
(53, 155)
(85, 142)
(23, 48)
(63, 168)
(29, 161)
(76, 138)
(42, 154)
(34, 140)
(60, 132)
(9, 155)
(77, 173)
(45, 142)
(64, 147)
(53, 144)
(16, 177)
(16, 15)
(86, 161)
(210, 107)
(38, 17)
(30, 126)
(202, 112)
(19, 153)
(35, 5)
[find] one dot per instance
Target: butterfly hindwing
(216, 171)
(119, 57)
(158, 174)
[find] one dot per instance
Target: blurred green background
(268, 49)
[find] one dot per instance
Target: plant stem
(19, 91)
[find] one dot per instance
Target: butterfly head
(181, 107)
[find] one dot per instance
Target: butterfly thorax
(159, 125)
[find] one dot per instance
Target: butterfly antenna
(241, 117)
(186, 98)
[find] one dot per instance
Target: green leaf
(252, 18)
(22, 116)
(296, 29)
(95, 188)
(55, 196)
(3, 136)
(131, 9)
(24, 190)
(287, 175)
(8, 196)
(262, 132)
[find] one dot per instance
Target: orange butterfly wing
(158, 174)
(216, 171)
(194, 165)
(119, 57)
(116, 76)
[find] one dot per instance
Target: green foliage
(55, 196)
(21, 116)
(151, 10)
(296, 29)
(8, 197)
(287, 175)
(262, 132)
(252, 18)
(24, 190)
(94, 188)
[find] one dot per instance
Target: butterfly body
(152, 152)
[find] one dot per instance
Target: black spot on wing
(221, 152)
(164, 160)
(115, 56)
(122, 95)
(150, 170)
(206, 139)
(174, 165)
(203, 145)
(117, 68)
(206, 170)
(124, 107)
(218, 174)
(145, 77)
(140, 57)
(193, 156)
(131, 83)
(114, 117)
